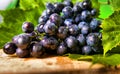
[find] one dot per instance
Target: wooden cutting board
(51, 64)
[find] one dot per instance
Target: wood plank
(54, 64)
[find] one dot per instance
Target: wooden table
(48, 65)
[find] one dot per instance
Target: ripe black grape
(37, 50)
(22, 53)
(27, 27)
(9, 48)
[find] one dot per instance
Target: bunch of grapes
(62, 28)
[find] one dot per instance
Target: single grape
(55, 18)
(92, 39)
(85, 29)
(77, 9)
(73, 30)
(86, 5)
(9, 48)
(81, 39)
(68, 3)
(71, 42)
(39, 28)
(86, 15)
(94, 24)
(50, 28)
(86, 50)
(93, 12)
(62, 49)
(62, 32)
(81, 24)
(50, 6)
(27, 27)
(67, 12)
(37, 50)
(22, 53)
(22, 40)
(59, 6)
(50, 43)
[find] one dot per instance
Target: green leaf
(105, 11)
(115, 4)
(105, 60)
(111, 32)
(112, 60)
(30, 4)
(12, 21)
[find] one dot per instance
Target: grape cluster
(62, 28)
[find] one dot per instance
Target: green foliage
(105, 11)
(111, 60)
(28, 4)
(107, 60)
(111, 31)
(13, 19)
(115, 4)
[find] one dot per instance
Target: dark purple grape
(67, 12)
(77, 9)
(50, 6)
(9, 48)
(71, 42)
(43, 19)
(94, 24)
(39, 28)
(62, 49)
(81, 24)
(27, 27)
(68, 22)
(37, 50)
(92, 39)
(86, 50)
(50, 43)
(59, 7)
(22, 53)
(55, 18)
(93, 12)
(68, 3)
(86, 15)
(81, 39)
(85, 29)
(62, 32)
(50, 28)
(73, 30)
(22, 40)
(86, 5)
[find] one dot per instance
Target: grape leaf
(111, 60)
(12, 21)
(115, 4)
(28, 4)
(105, 11)
(111, 32)
(105, 60)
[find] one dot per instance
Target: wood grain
(48, 65)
